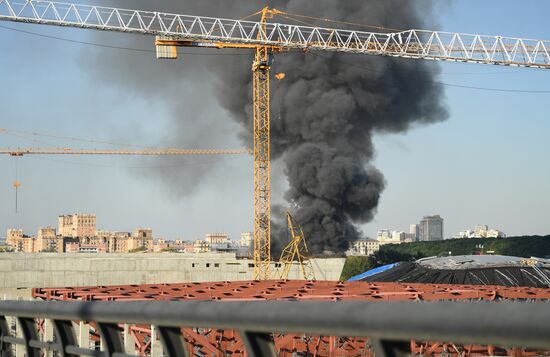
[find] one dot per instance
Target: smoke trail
(326, 110)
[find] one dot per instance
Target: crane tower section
(262, 159)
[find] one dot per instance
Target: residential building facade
(216, 238)
(363, 247)
(77, 225)
(247, 239)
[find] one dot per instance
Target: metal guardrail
(389, 326)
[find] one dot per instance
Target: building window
(194, 265)
(216, 265)
(208, 265)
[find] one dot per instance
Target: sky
(486, 164)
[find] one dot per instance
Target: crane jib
(213, 32)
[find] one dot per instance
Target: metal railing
(389, 326)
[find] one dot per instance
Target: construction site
(301, 266)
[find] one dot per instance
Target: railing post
(156, 345)
(129, 342)
(172, 341)
(48, 335)
(5, 348)
(28, 328)
(65, 336)
(386, 348)
(19, 349)
(83, 334)
(111, 338)
(258, 344)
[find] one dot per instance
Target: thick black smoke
(327, 108)
(325, 112)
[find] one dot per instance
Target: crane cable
(289, 17)
(436, 82)
(337, 21)
(20, 133)
(16, 184)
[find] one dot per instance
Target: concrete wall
(20, 272)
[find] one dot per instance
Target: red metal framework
(219, 342)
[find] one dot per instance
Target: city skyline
(471, 168)
(67, 226)
(472, 230)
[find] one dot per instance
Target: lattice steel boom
(264, 37)
(434, 45)
(150, 152)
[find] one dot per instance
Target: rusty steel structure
(218, 342)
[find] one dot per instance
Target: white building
(495, 233)
(363, 247)
(216, 238)
(480, 231)
(386, 236)
(464, 234)
(247, 239)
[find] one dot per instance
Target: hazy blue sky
(487, 164)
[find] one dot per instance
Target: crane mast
(265, 38)
(262, 158)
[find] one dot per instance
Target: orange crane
(126, 152)
(296, 250)
(267, 38)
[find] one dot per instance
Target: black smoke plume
(325, 111)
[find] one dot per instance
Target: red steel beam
(217, 342)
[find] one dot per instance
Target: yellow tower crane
(17, 152)
(266, 38)
(261, 66)
(296, 250)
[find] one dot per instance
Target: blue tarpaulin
(372, 272)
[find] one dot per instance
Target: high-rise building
(431, 228)
(77, 225)
(414, 229)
